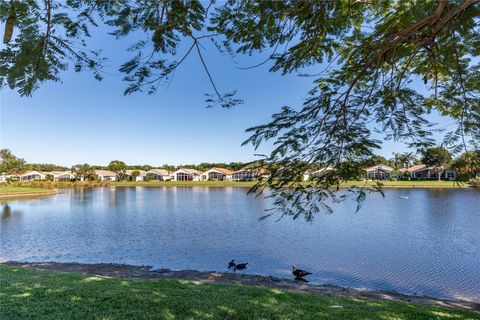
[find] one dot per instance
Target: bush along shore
(110, 291)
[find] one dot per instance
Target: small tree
(135, 174)
(119, 168)
(438, 158)
(468, 163)
(83, 171)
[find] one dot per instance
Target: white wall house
(243, 175)
(159, 174)
(32, 175)
(185, 174)
(141, 177)
(422, 171)
(379, 172)
(309, 175)
(106, 175)
(60, 175)
(217, 174)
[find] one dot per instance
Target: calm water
(426, 244)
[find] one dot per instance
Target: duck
(231, 264)
(240, 266)
(299, 273)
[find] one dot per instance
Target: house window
(215, 176)
(181, 176)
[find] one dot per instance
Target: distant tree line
(467, 164)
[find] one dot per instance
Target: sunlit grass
(12, 190)
(34, 294)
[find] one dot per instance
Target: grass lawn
(35, 294)
(412, 184)
(11, 190)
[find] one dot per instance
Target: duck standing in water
(299, 273)
(231, 264)
(240, 266)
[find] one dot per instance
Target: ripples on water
(428, 244)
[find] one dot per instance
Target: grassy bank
(57, 184)
(6, 191)
(411, 184)
(28, 293)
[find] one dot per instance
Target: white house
(159, 174)
(31, 175)
(317, 174)
(60, 175)
(379, 172)
(243, 175)
(217, 174)
(141, 177)
(422, 171)
(185, 174)
(106, 175)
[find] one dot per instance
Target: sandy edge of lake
(146, 272)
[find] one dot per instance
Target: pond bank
(146, 272)
(7, 192)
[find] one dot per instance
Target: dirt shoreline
(28, 195)
(146, 272)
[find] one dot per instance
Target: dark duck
(299, 273)
(240, 266)
(231, 264)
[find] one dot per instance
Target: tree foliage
(376, 66)
(10, 164)
(119, 167)
(438, 158)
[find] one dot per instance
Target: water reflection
(413, 240)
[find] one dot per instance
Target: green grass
(35, 294)
(412, 184)
(12, 190)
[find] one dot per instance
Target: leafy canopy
(376, 66)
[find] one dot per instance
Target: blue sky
(82, 120)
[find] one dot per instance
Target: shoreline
(125, 271)
(28, 195)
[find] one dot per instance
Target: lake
(415, 241)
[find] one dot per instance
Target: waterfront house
(318, 174)
(217, 174)
(423, 172)
(249, 174)
(379, 172)
(185, 174)
(243, 175)
(105, 175)
(31, 175)
(158, 175)
(141, 177)
(60, 175)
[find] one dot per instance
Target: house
(243, 175)
(249, 174)
(158, 174)
(106, 175)
(423, 172)
(32, 175)
(318, 174)
(379, 172)
(60, 175)
(185, 174)
(141, 177)
(217, 174)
